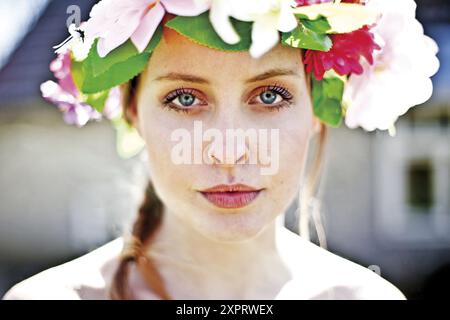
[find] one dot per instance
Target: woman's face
(187, 84)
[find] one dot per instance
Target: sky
(16, 16)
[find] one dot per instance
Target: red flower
(355, 1)
(301, 3)
(347, 49)
(344, 56)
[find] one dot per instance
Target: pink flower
(344, 56)
(75, 112)
(61, 70)
(116, 21)
(400, 75)
(66, 96)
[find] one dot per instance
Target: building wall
(366, 211)
(64, 189)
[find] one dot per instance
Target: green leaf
(120, 54)
(94, 74)
(302, 37)
(115, 75)
(320, 25)
(327, 99)
(97, 100)
(200, 30)
(76, 69)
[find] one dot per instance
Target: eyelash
(168, 100)
(283, 92)
(276, 88)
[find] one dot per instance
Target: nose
(228, 151)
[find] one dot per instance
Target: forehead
(176, 53)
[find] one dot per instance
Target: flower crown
(370, 60)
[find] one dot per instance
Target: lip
(231, 196)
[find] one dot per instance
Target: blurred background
(64, 191)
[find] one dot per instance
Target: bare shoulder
(321, 274)
(85, 277)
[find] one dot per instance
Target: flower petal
(400, 75)
(120, 31)
(75, 112)
(76, 115)
(141, 37)
(264, 36)
(219, 17)
(52, 92)
(113, 105)
(286, 19)
(185, 7)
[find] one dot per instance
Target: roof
(28, 66)
(441, 81)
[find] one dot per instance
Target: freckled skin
(203, 251)
(226, 97)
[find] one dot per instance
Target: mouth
(231, 196)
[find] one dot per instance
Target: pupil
(187, 99)
(268, 97)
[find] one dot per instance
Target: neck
(194, 266)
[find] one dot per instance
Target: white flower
(219, 16)
(77, 42)
(400, 76)
(268, 17)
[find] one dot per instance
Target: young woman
(215, 229)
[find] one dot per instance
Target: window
(420, 185)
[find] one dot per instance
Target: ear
(317, 126)
(132, 114)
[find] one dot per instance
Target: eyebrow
(273, 73)
(174, 76)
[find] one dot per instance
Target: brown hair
(308, 205)
(150, 216)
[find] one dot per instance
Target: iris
(268, 97)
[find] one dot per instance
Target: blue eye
(272, 98)
(268, 97)
(186, 99)
(183, 100)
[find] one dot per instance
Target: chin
(231, 225)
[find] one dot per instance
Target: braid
(149, 218)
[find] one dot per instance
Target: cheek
(293, 151)
(173, 182)
(294, 138)
(156, 129)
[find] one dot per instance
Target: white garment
(317, 274)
